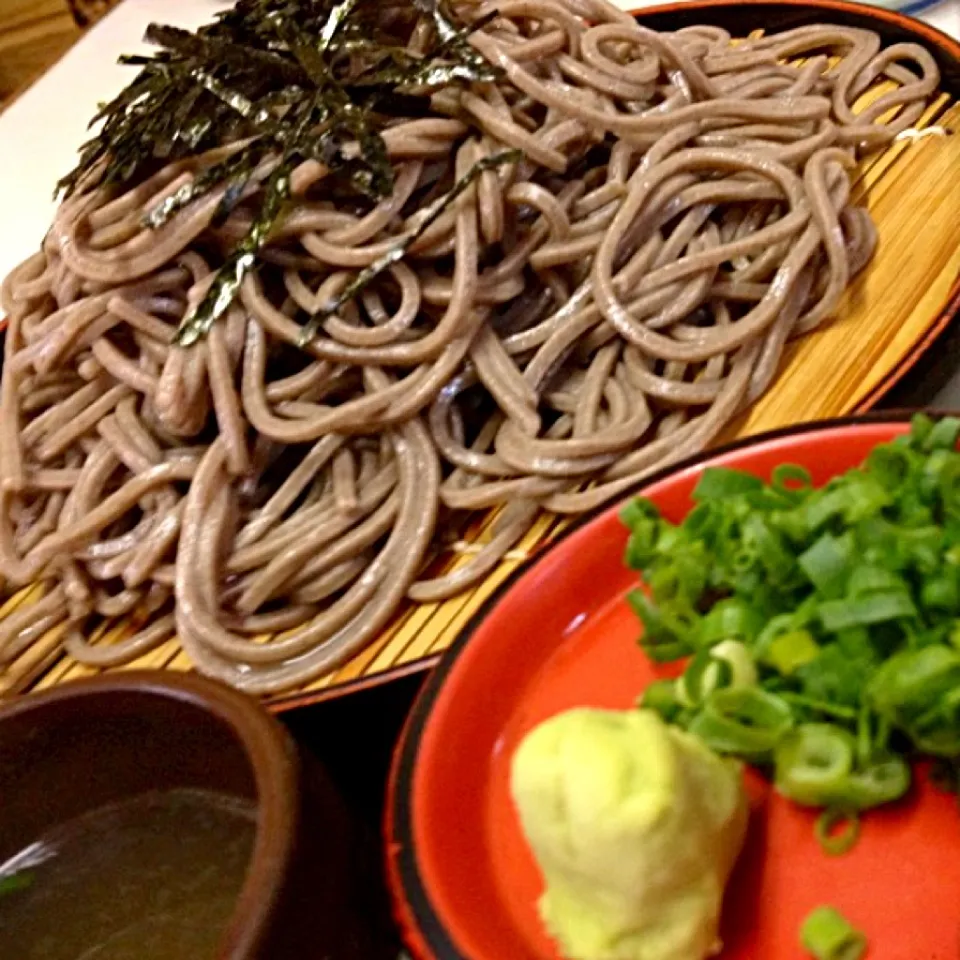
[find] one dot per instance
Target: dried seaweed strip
(259, 73)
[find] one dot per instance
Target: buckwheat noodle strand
(580, 315)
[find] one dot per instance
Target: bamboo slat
(913, 195)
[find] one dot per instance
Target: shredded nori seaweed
(395, 253)
(294, 79)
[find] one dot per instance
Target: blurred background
(34, 34)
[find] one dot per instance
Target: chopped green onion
(815, 765)
(943, 435)
(823, 623)
(941, 593)
(744, 721)
(790, 478)
(937, 731)
(790, 651)
(730, 619)
(841, 614)
(818, 706)
(770, 549)
(828, 562)
(830, 504)
(869, 580)
(949, 488)
(827, 935)
(882, 782)
(718, 483)
(703, 676)
(911, 690)
(661, 696)
(727, 664)
(812, 764)
(665, 636)
(639, 513)
(738, 656)
(834, 842)
(864, 735)
(921, 426)
(890, 465)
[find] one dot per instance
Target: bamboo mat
(913, 193)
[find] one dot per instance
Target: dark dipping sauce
(154, 877)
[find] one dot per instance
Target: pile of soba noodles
(585, 265)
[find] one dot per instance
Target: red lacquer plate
(559, 635)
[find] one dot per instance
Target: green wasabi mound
(636, 826)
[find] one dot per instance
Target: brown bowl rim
(268, 750)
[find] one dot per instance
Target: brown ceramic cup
(309, 892)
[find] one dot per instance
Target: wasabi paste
(636, 826)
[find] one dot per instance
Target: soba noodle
(592, 310)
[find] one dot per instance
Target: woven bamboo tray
(892, 312)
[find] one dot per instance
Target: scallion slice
(827, 935)
(836, 843)
(744, 721)
(822, 623)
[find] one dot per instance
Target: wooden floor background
(34, 34)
